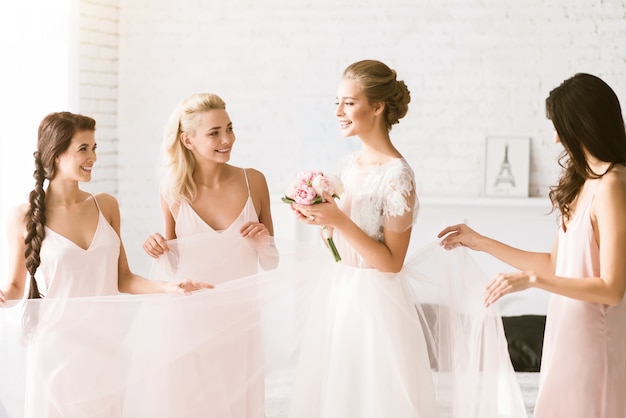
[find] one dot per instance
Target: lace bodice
(377, 198)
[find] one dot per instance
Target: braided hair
(55, 134)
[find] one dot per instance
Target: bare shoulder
(254, 174)
(108, 203)
(612, 189)
(256, 179)
(613, 182)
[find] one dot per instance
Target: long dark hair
(54, 137)
(587, 117)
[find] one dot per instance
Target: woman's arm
(609, 228)
(169, 223)
(129, 282)
(16, 233)
(261, 199)
(462, 235)
(386, 256)
(156, 244)
(261, 231)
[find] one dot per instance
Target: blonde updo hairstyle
(379, 83)
(179, 162)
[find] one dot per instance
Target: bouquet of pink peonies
(308, 189)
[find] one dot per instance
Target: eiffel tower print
(506, 175)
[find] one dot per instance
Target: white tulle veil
(159, 355)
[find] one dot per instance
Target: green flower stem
(331, 245)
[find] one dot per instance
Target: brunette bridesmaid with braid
(67, 241)
(66, 233)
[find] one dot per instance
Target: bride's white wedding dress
(399, 344)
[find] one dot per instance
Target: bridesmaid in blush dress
(583, 369)
(218, 227)
(67, 241)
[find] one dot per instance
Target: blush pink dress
(219, 257)
(583, 369)
(214, 256)
(61, 371)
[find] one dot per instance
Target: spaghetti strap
(96, 200)
(245, 174)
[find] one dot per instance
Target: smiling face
(77, 161)
(212, 138)
(356, 115)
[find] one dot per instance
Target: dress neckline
(93, 238)
(357, 163)
(580, 210)
(249, 199)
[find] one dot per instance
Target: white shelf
(535, 202)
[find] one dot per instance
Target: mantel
(534, 202)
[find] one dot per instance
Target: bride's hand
(3, 298)
(320, 214)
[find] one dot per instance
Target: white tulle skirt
(357, 343)
(363, 353)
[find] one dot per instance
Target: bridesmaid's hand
(460, 235)
(505, 283)
(155, 245)
(3, 298)
(186, 287)
(254, 230)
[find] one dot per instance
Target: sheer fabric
(123, 351)
(355, 342)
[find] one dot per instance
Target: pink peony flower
(308, 189)
(330, 184)
(338, 188)
(321, 184)
(308, 176)
(304, 194)
(291, 190)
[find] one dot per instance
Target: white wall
(97, 33)
(37, 57)
(475, 68)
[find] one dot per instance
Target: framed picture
(507, 166)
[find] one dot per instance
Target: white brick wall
(98, 50)
(475, 68)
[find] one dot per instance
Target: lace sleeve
(400, 203)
